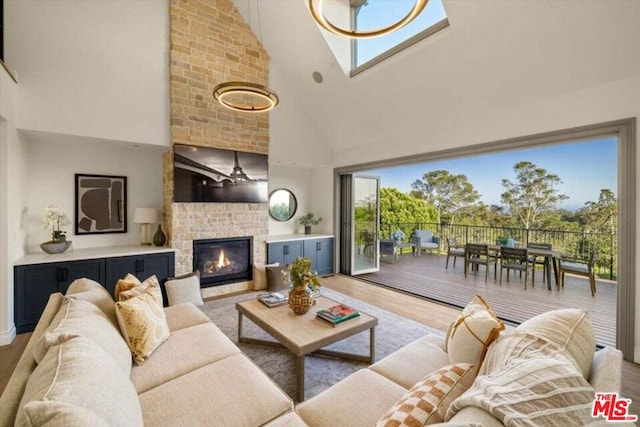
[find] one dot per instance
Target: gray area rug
(393, 332)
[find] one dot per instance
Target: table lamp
(145, 217)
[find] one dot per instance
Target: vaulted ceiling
(495, 54)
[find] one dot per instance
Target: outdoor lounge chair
(425, 240)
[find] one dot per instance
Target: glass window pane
(381, 13)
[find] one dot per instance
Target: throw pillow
(569, 328)
(184, 288)
(277, 278)
(143, 323)
(92, 291)
(527, 380)
(79, 373)
(82, 318)
(472, 333)
(128, 282)
(427, 401)
(151, 283)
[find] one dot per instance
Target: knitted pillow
(471, 334)
(428, 400)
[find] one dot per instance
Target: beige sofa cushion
(80, 373)
(605, 370)
(569, 328)
(185, 351)
(229, 392)
(428, 400)
(10, 398)
(358, 400)
(414, 361)
(54, 414)
(473, 332)
(184, 289)
(290, 419)
(92, 291)
(82, 318)
(143, 322)
(183, 316)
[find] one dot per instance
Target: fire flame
(223, 261)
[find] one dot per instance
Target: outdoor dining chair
(453, 250)
(538, 259)
(515, 259)
(580, 266)
(476, 255)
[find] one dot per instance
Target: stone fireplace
(222, 261)
(210, 43)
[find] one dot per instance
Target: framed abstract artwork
(101, 204)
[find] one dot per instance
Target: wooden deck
(426, 276)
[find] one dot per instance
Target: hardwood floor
(432, 314)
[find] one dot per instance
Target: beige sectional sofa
(196, 377)
(199, 377)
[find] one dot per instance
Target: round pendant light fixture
(315, 6)
(245, 96)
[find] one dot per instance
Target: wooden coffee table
(304, 334)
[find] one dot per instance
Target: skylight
(372, 14)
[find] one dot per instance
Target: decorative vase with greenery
(54, 219)
(304, 281)
(308, 220)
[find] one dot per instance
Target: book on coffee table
(274, 299)
(337, 314)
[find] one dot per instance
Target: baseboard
(7, 337)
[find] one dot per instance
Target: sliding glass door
(360, 222)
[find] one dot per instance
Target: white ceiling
(495, 54)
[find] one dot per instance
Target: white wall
(91, 67)
(52, 168)
(294, 139)
(299, 182)
(11, 203)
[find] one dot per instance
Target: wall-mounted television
(205, 174)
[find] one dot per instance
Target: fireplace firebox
(222, 261)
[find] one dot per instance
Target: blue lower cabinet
(319, 250)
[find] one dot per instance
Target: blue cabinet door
(320, 251)
(284, 253)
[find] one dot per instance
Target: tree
(448, 193)
(533, 193)
(600, 216)
(398, 208)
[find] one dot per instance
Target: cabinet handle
(139, 265)
(63, 274)
(318, 246)
(286, 249)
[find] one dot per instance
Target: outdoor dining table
(550, 259)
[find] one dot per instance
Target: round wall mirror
(282, 204)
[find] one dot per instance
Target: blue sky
(382, 13)
(584, 167)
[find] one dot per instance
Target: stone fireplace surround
(210, 43)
